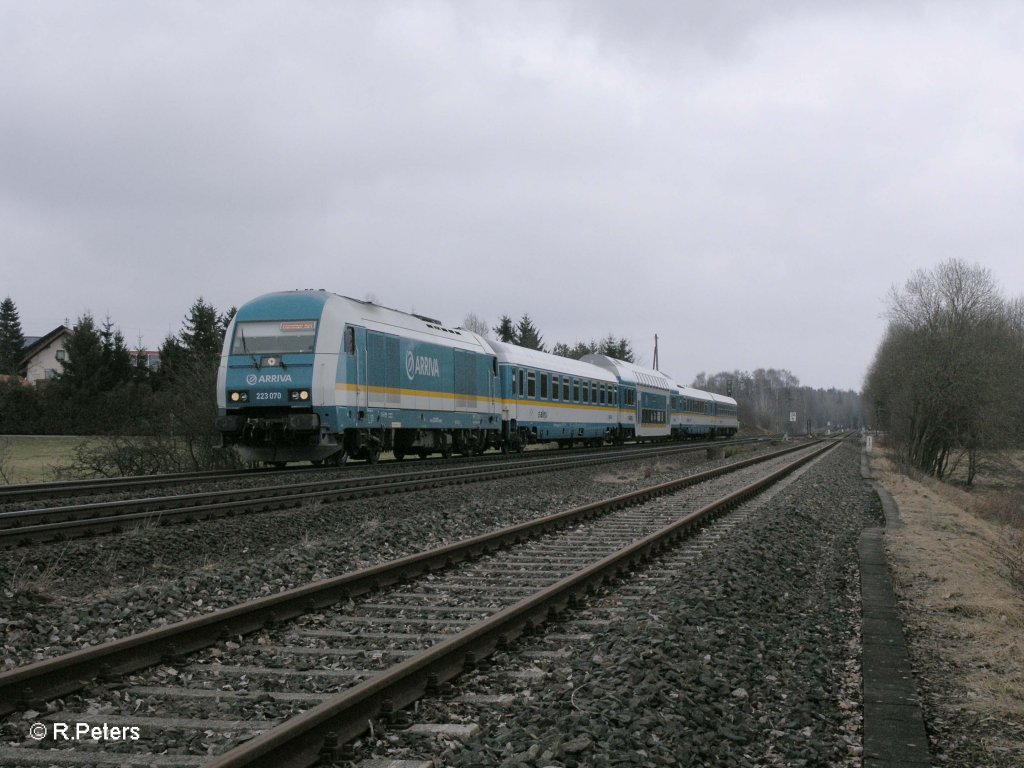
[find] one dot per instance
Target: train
(311, 375)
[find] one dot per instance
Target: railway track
(285, 680)
(66, 521)
(60, 489)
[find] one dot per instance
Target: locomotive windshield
(274, 337)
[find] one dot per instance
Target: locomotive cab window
(350, 340)
(274, 337)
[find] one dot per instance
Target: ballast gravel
(749, 656)
(60, 597)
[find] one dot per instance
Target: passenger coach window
(531, 384)
(544, 386)
(521, 378)
(602, 394)
(575, 390)
(565, 389)
(554, 387)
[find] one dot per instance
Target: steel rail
(50, 678)
(37, 524)
(93, 486)
(306, 738)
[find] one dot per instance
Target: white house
(42, 355)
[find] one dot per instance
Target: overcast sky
(744, 179)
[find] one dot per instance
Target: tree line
(155, 419)
(945, 381)
(768, 397)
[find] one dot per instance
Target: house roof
(33, 344)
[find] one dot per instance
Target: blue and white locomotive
(313, 376)
(309, 375)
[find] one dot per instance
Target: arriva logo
(418, 365)
(268, 378)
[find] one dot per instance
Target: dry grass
(963, 611)
(33, 581)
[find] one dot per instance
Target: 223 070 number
(269, 396)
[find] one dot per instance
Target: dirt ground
(963, 616)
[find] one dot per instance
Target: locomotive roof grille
(439, 328)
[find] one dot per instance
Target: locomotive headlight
(298, 395)
(238, 396)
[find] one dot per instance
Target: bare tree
(473, 322)
(943, 380)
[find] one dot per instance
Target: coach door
(493, 386)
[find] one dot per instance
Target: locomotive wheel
(372, 455)
(399, 455)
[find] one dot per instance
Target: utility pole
(656, 352)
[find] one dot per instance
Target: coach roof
(510, 354)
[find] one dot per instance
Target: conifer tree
(203, 331)
(12, 340)
(527, 334)
(505, 331)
